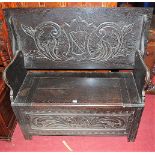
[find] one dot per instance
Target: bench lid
(79, 38)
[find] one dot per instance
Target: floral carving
(80, 41)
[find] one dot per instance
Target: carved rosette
(80, 41)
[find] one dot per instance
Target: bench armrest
(141, 74)
(14, 74)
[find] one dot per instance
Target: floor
(144, 142)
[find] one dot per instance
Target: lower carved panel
(99, 122)
(63, 121)
(69, 122)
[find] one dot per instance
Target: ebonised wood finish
(79, 38)
(48, 101)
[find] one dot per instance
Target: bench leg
(27, 137)
(135, 124)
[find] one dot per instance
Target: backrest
(78, 38)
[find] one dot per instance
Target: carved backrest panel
(78, 38)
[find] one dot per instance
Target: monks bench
(78, 71)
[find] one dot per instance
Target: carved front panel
(106, 120)
(77, 122)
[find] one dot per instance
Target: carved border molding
(79, 132)
(57, 111)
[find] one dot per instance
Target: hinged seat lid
(78, 89)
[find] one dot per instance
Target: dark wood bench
(78, 71)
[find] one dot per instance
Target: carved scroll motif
(50, 122)
(80, 41)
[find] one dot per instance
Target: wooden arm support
(14, 74)
(141, 74)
